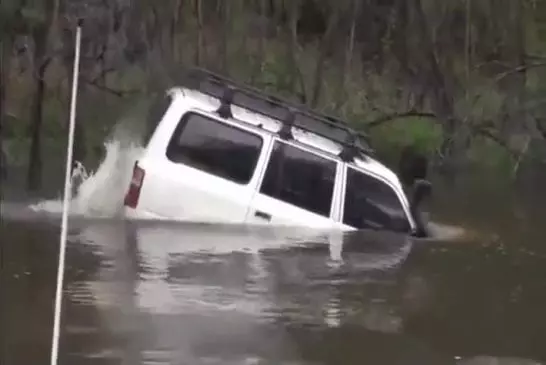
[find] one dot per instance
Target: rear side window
(300, 178)
(216, 148)
(372, 204)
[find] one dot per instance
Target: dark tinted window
(216, 148)
(300, 178)
(372, 204)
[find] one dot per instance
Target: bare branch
(535, 57)
(102, 74)
(518, 69)
(399, 115)
(118, 93)
(476, 130)
(488, 134)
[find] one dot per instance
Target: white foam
(99, 193)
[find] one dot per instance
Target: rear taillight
(133, 194)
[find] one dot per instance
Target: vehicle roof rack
(291, 115)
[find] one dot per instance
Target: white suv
(221, 152)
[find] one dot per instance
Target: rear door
(297, 188)
(207, 173)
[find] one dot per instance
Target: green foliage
(359, 84)
(490, 155)
(424, 134)
(16, 19)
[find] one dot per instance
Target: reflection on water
(158, 293)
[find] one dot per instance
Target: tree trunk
(518, 117)
(199, 39)
(43, 36)
(400, 48)
(348, 55)
(292, 50)
(442, 100)
(4, 70)
(5, 48)
(174, 29)
(34, 176)
(413, 92)
(292, 45)
(225, 36)
(325, 45)
(260, 57)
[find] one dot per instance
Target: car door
(210, 171)
(297, 188)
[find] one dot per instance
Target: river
(162, 293)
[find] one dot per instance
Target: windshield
(372, 204)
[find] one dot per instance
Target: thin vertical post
(66, 202)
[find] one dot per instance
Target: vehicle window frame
(372, 175)
(179, 129)
(335, 199)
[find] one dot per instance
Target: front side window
(372, 204)
(300, 178)
(216, 148)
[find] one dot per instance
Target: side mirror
(422, 190)
(413, 171)
(412, 166)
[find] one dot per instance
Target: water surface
(163, 293)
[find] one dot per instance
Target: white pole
(66, 202)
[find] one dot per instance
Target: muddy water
(151, 293)
(165, 293)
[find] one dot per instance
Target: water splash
(99, 193)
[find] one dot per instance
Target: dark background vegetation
(462, 80)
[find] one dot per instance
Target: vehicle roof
(261, 122)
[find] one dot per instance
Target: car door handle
(262, 215)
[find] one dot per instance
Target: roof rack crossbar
(350, 148)
(224, 110)
(354, 143)
(287, 123)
